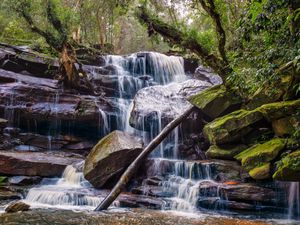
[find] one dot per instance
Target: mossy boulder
(231, 127)
(277, 110)
(261, 172)
(112, 155)
(286, 126)
(215, 101)
(288, 168)
(224, 152)
(260, 154)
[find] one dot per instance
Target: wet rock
(24, 180)
(3, 123)
(217, 203)
(79, 147)
(8, 194)
(224, 152)
(288, 168)
(260, 154)
(47, 104)
(44, 164)
(153, 191)
(17, 207)
(111, 156)
(12, 131)
(215, 101)
(206, 74)
(161, 104)
(137, 201)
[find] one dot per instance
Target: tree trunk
(130, 171)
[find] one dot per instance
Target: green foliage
(2, 180)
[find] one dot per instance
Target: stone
(206, 74)
(161, 104)
(215, 101)
(224, 152)
(286, 126)
(17, 207)
(288, 168)
(260, 154)
(112, 155)
(24, 180)
(7, 193)
(231, 127)
(140, 201)
(44, 164)
(261, 172)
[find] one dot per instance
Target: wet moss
(260, 154)
(224, 152)
(261, 172)
(288, 168)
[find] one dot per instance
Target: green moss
(231, 127)
(261, 172)
(260, 154)
(224, 152)
(288, 168)
(214, 101)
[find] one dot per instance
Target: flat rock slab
(44, 164)
(134, 217)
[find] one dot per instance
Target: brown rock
(17, 207)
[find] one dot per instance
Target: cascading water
(294, 200)
(133, 73)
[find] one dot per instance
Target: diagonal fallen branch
(130, 171)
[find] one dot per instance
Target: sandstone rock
(260, 154)
(288, 168)
(224, 152)
(7, 193)
(111, 156)
(206, 74)
(286, 126)
(44, 164)
(161, 104)
(215, 101)
(137, 201)
(3, 123)
(231, 127)
(24, 180)
(17, 207)
(261, 172)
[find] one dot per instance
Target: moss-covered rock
(261, 172)
(286, 126)
(288, 168)
(215, 101)
(110, 157)
(261, 154)
(277, 110)
(231, 127)
(224, 152)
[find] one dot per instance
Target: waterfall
(132, 73)
(293, 200)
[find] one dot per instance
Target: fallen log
(130, 171)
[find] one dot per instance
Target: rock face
(285, 126)
(206, 74)
(35, 163)
(161, 104)
(111, 156)
(17, 207)
(260, 154)
(215, 101)
(288, 168)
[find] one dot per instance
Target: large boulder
(232, 126)
(110, 157)
(261, 172)
(288, 168)
(261, 154)
(286, 126)
(161, 104)
(44, 164)
(215, 101)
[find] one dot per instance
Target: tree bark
(175, 36)
(130, 171)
